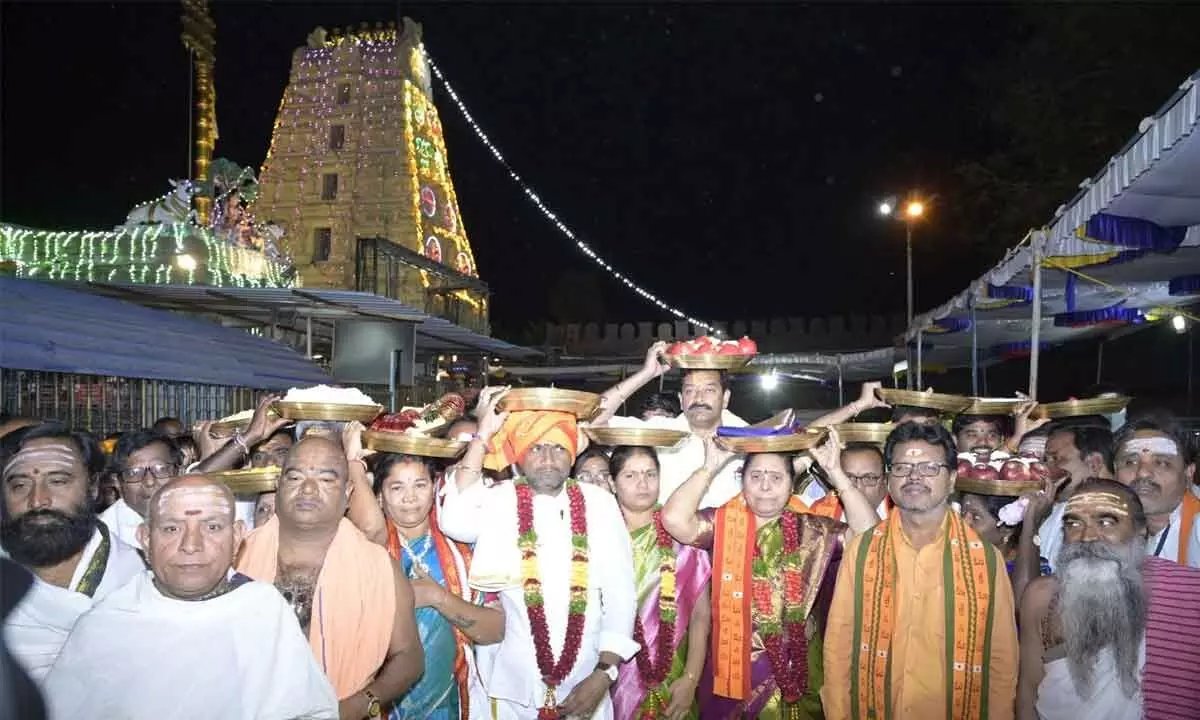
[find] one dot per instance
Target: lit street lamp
(913, 210)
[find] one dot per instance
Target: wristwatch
(609, 670)
(374, 707)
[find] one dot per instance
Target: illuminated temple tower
(357, 175)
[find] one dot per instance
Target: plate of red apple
(999, 473)
(710, 353)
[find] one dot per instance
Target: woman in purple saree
(673, 600)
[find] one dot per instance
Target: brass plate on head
(249, 481)
(924, 399)
(709, 361)
(874, 433)
(790, 443)
(1075, 408)
(330, 412)
(404, 444)
(582, 405)
(641, 437)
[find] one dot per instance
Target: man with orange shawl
(772, 577)
(451, 617)
(351, 599)
(922, 622)
(568, 621)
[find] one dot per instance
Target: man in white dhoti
(190, 638)
(568, 621)
(704, 397)
(48, 481)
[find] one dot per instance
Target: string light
(537, 201)
(150, 253)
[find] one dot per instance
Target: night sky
(727, 157)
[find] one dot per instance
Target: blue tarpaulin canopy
(1124, 252)
(50, 328)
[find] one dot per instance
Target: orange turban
(524, 429)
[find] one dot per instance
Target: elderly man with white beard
(1115, 635)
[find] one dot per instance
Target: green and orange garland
(553, 673)
(783, 638)
(654, 671)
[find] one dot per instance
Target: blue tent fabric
(49, 328)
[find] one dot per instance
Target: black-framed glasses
(924, 469)
(868, 479)
(158, 471)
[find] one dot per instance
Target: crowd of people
(538, 576)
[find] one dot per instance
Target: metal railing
(104, 405)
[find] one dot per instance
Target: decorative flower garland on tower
(553, 673)
(654, 671)
(784, 639)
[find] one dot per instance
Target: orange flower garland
(553, 673)
(783, 638)
(654, 672)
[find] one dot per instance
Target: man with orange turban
(533, 539)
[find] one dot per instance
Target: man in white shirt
(529, 530)
(1081, 451)
(214, 643)
(1151, 457)
(142, 461)
(704, 397)
(48, 481)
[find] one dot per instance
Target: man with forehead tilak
(922, 622)
(557, 553)
(1151, 458)
(1115, 634)
(48, 526)
(350, 597)
(189, 638)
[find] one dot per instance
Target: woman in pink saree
(674, 612)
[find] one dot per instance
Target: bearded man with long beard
(1115, 635)
(47, 485)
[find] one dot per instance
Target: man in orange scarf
(350, 597)
(922, 623)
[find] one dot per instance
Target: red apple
(727, 349)
(748, 346)
(965, 468)
(1015, 471)
(985, 473)
(1039, 470)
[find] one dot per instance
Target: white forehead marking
(209, 494)
(1152, 446)
(53, 456)
(914, 452)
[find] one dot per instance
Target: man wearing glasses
(862, 463)
(142, 461)
(922, 622)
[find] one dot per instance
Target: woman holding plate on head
(451, 617)
(672, 585)
(773, 569)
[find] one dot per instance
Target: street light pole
(908, 254)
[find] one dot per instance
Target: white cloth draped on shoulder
(678, 463)
(39, 625)
(123, 521)
(487, 517)
(141, 655)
